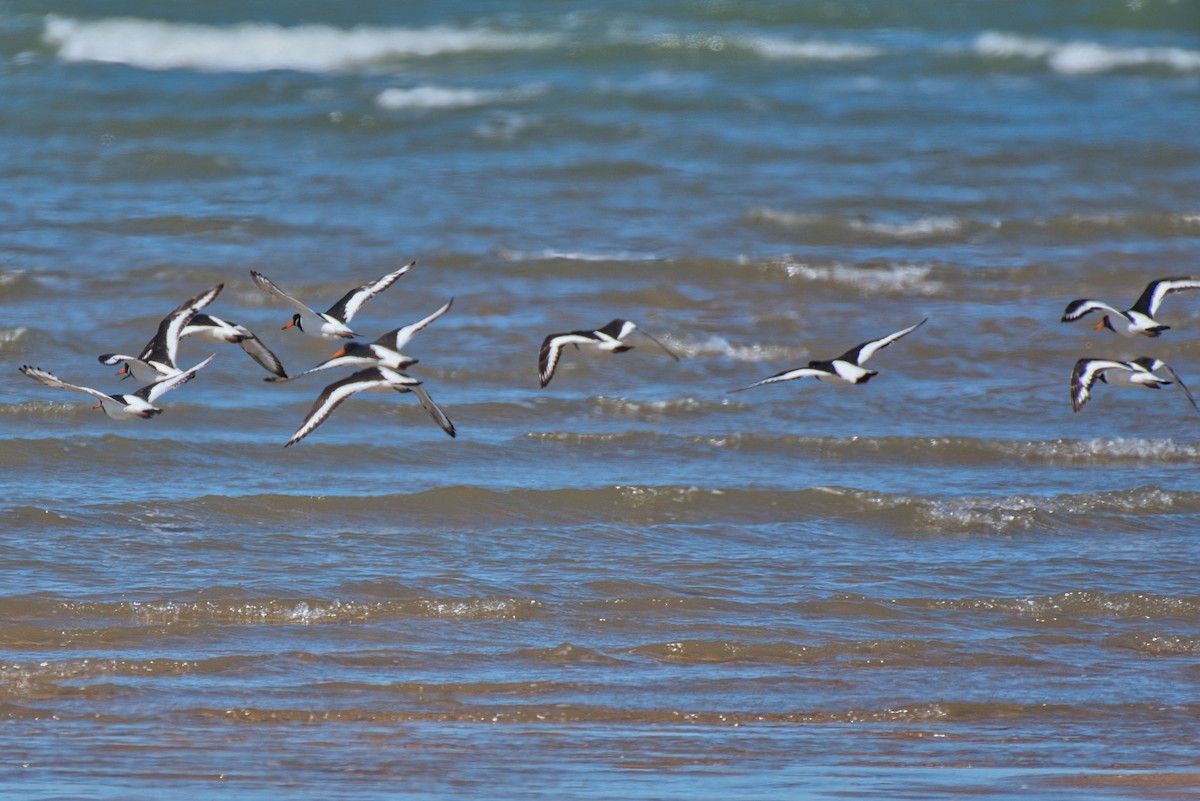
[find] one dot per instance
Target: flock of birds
(1136, 321)
(381, 364)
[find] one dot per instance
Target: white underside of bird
(131, 406)
(381, 379)
(1137, 373)
(845, 369)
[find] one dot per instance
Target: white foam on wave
(906, 278)
(659, 407)
(550, 254)
(914, 229)
(436, 97)
(1027, 512)
(809, 50)
(258, 46)
(1104, 449)
(15, 334)
(1082, 58)
(715, 345)
(770, 47)
(911, 229)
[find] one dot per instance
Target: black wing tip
(1071, 312)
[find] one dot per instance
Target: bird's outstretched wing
(352, 301)
(1154, 293)
(860, 353)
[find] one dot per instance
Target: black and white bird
(386, 351)
(373, 378)
(1137, 373)
(1138, 319)
(845, 369)
(156, 360)
(610, 338)
(135, 405)
(211, 329)
(335, 322)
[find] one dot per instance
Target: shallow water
(631, 583)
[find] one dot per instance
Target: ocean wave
(834, 228)
(775, 48)
(949, 229)
(442, 97)
(656, 408)
(885, 279)
(808, 49)
(1100, 450)
(13, 339)
(728, 651)
(151, 615)
(562, 713)
(1105, 226)
(585, 256)
(1153, 644)
(14, 675)
(716, 345)
(20, 283)
(1085, 604)
(966, 451)
(981, 515)
(89, 442)
(259, 46)
(1083, 58)
(468, 508)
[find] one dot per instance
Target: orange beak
(98, 405)
(339, 354)
(289, 325)
(1098, 326)
(124, 369)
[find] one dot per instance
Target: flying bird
(1138, 319)
(373, 378)
(845, 369)
(335, 322)
(386, 351)
(1136, 373)
(156, 360)
(135, 405)
(610, 338)
(214, 330)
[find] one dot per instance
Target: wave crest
(1083, 58)
(260, 46)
